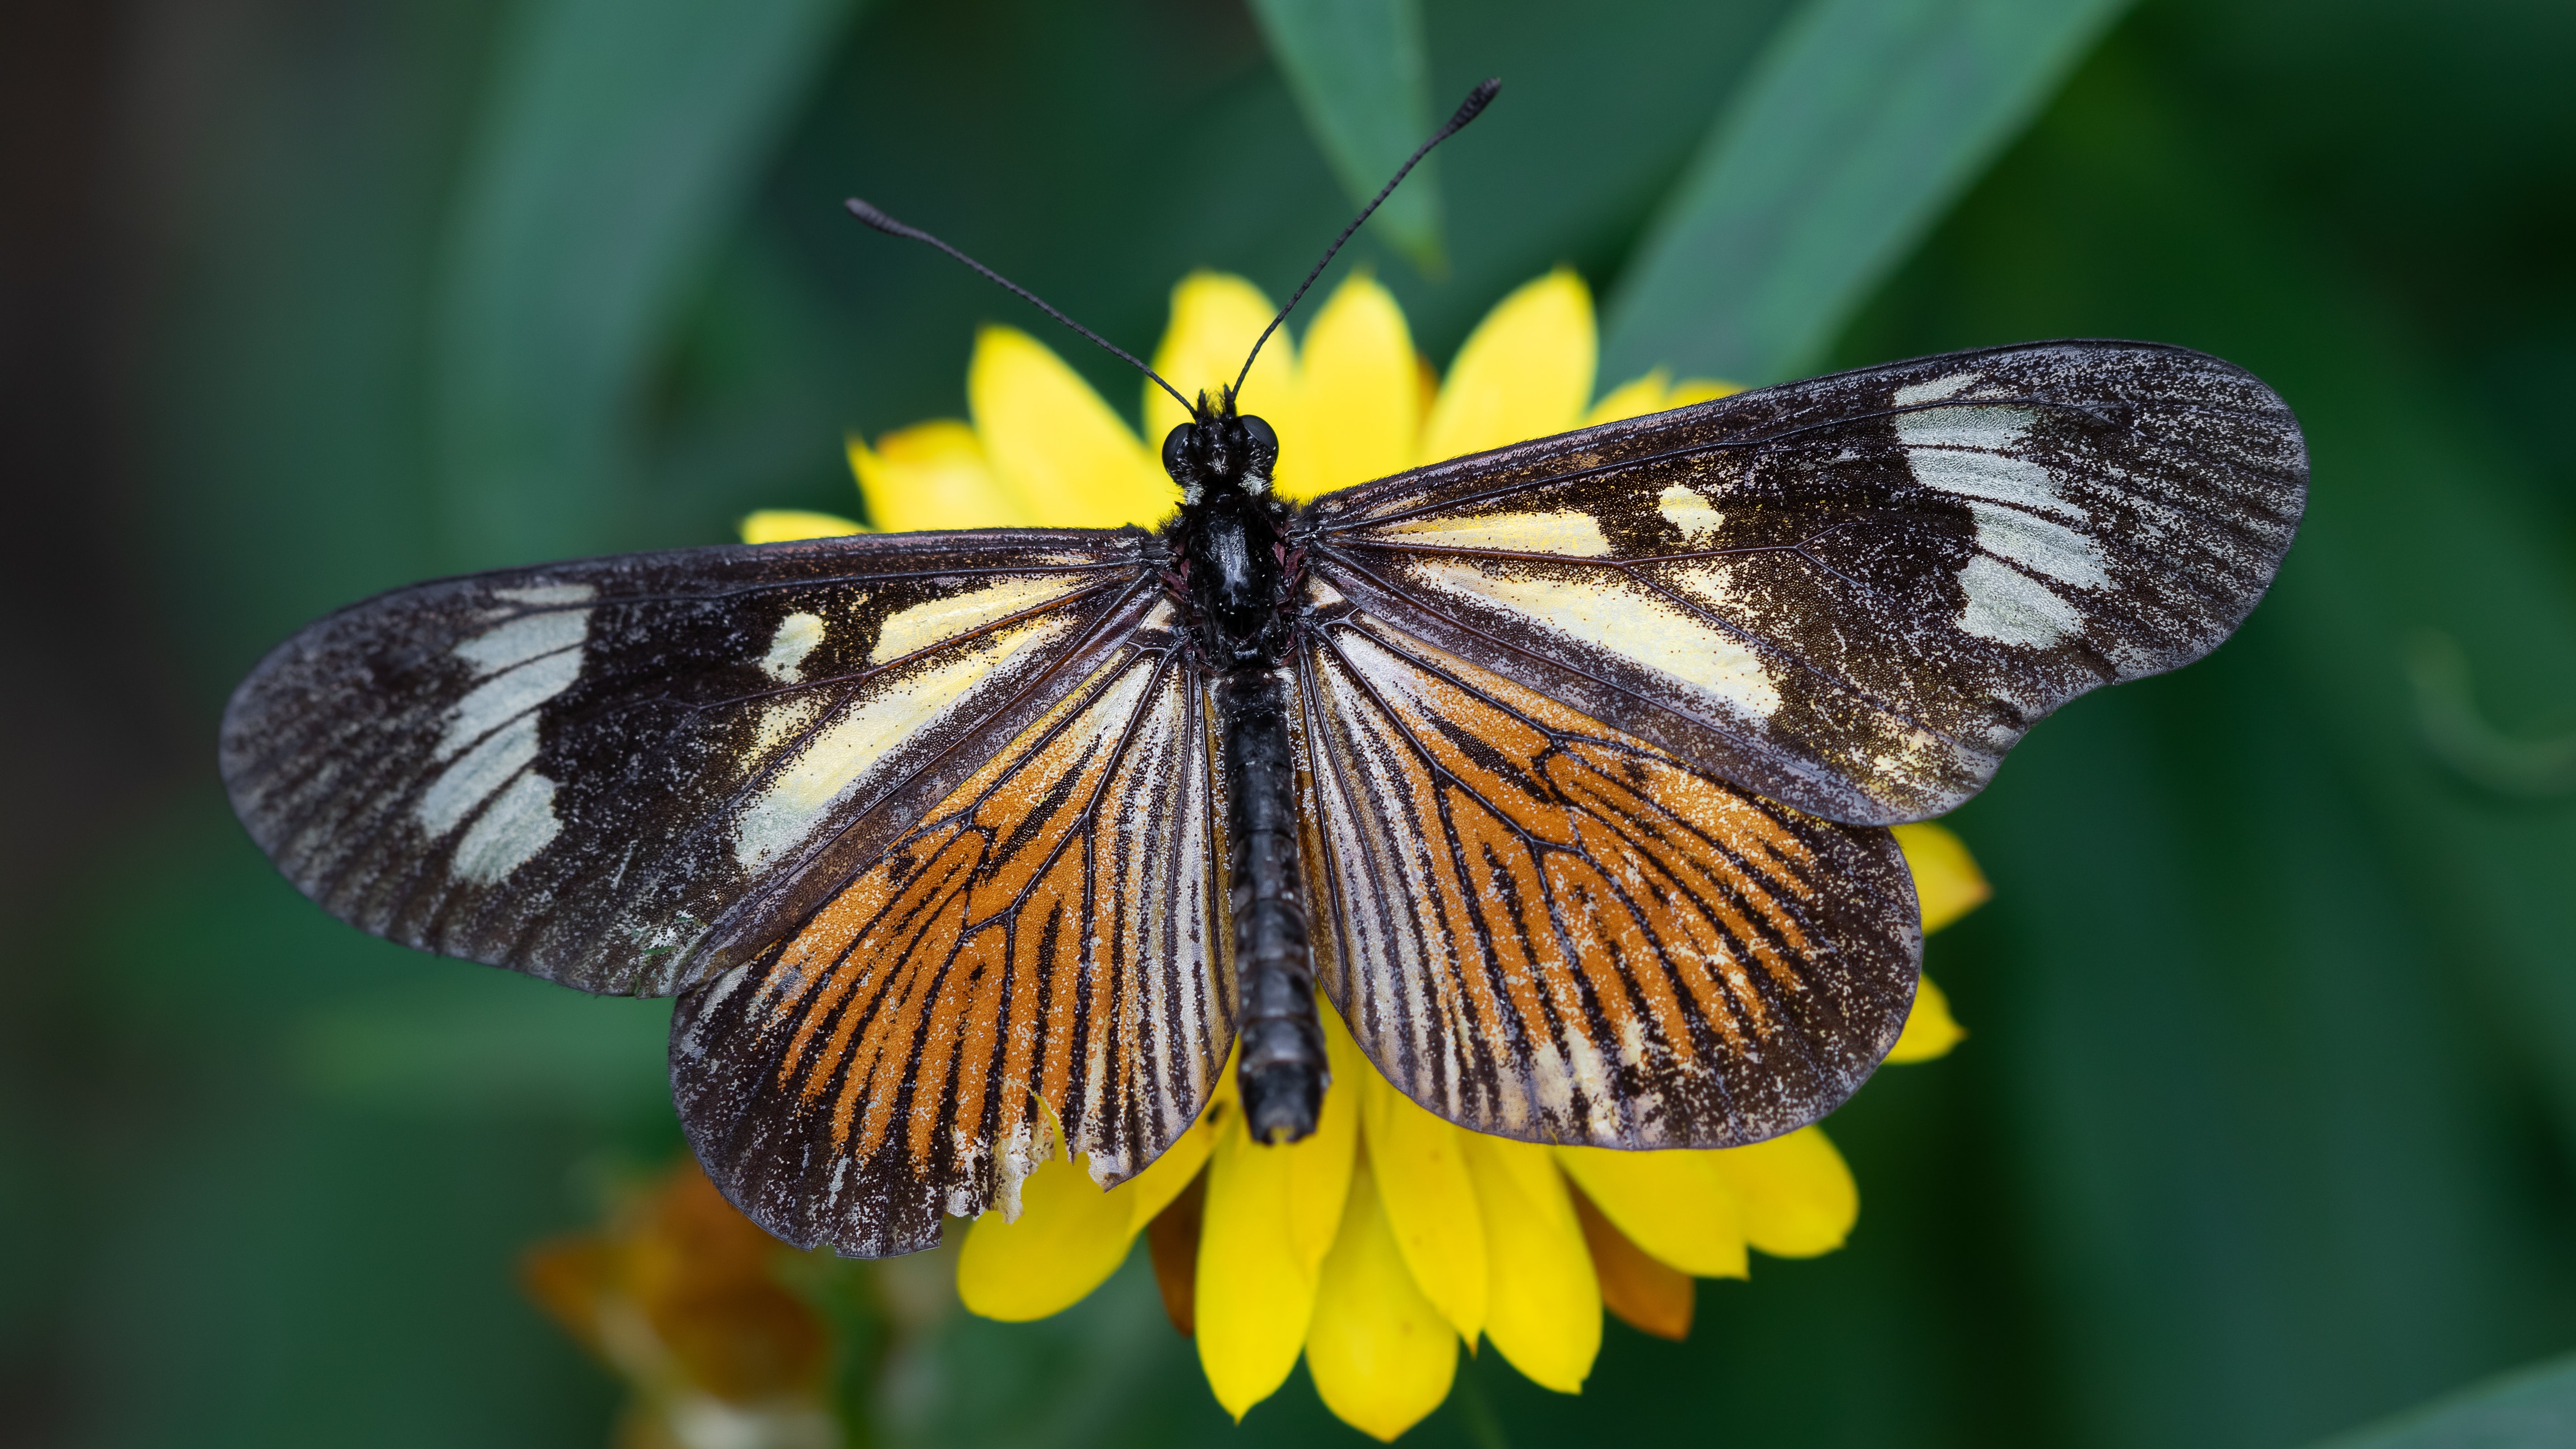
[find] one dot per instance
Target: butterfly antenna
(1476, 101)
(892, 227)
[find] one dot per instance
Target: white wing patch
(2011, 607)
(491, 736)
(506, 646)
(940, 620)
(1620, 617)
(472, 778)
(507, 696)
(1936, 389)
(1977, 454)
(518, 823)
(546, 596)
(2040, 546)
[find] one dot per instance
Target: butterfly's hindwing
(625, 774)
(1852, 594)
(1048, 944)
(1541, 927)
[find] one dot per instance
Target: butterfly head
(1219, 450)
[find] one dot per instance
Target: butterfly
(1563, 770)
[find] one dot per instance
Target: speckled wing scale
(1548, 929)
(1594, 742)
(1044, 946)
(1851, 594)
(1540, 682)
(644, 774)
(627, 773)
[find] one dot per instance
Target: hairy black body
(1236, 576)
(1232, 567)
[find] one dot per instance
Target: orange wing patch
(1542, 927)
(1048, 944)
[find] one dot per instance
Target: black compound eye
(1176, 451)
(1265, 443)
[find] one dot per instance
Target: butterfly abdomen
(1283, 1069)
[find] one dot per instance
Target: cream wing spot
(797, 636)
(1619, 617)
(926, 624)
(1566, 532)
(780, 720)
(1687, 510)
(1712, 583)
(828, 767)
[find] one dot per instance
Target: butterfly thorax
(1232, 559)
(1235, 574)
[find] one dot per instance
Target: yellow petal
(1319, 1168)
(1063, 457)
(1215, 319)
(1382, 1357)
(1070, 1237)
(1525, 371)
(1672, 1204)
(1699, 390)
(1420, 1166)
(1947, 882)
(1543, 1306)
(1930, 1030)
(1798, 1197)
(786, 525)
(1633, 399)
(931, 475)
(1254, 1292)
(1359, 403)
(1649, 1296)
(1168, 1176)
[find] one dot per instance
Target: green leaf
(1357, 70)
(2533, 1409)
(618, 140)
(1859, 125)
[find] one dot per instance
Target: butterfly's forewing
(1851, 594)
(628, 774)
(1047, 944)
(1543, 927)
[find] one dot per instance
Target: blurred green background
(2264, 1129)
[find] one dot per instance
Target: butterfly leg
(1283, 1069)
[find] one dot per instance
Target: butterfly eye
(1264, 442)
(1176, 453)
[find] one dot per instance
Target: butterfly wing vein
(1042, 957)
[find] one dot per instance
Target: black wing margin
(630, 774)
(1851, 594)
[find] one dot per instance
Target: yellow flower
(1380, 1244)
